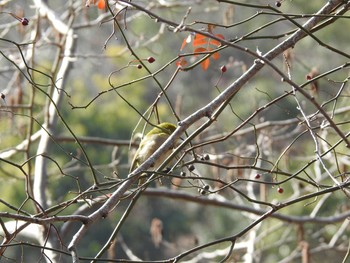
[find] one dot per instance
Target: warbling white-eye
(149, 144)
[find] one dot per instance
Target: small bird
(150, 143)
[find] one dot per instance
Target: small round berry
(278, 3)
(223, 69)
(191, 167)
(203, 192)
(183, 174)
(206, 157)
(3, 96)
(139, 66)
(151, 59)
(280, 190)
(206, 187)
(24, 21)
(257, 176)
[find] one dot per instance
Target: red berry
(223, 69)
(139, 66)
(24, 21)
(257, 176)
(151, 59)
(280, 190)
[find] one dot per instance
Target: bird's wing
(147, 147)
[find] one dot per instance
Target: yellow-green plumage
(150, 143)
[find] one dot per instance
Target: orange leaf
(181, 62)
(205, 64)
(101, 4)
(199, 50)
(216, 55)
(185, 42)
(216, 42)
(199, 40)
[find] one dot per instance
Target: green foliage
(13, 193)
